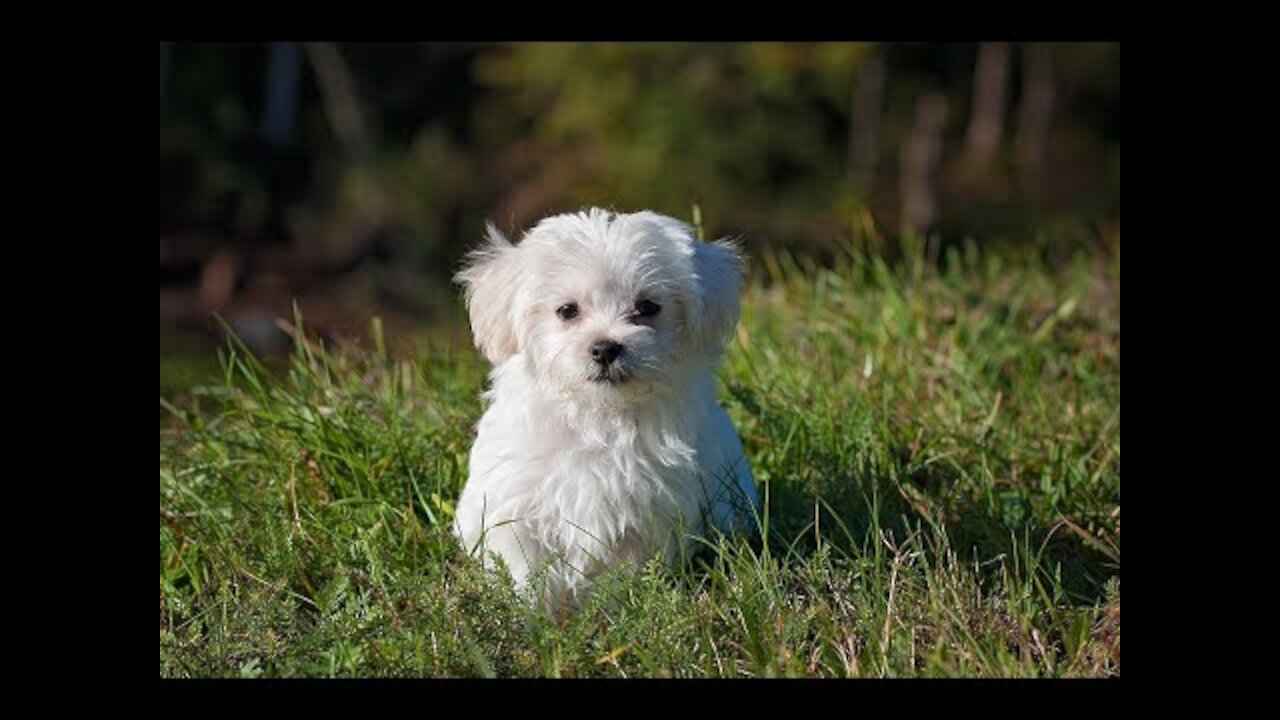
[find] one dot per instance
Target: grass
(939, 447)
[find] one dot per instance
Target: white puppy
(603, 442)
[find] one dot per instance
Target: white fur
(574, 475)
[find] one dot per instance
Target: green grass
(939, 450)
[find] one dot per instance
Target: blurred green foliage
(758, 134)
(663, 125)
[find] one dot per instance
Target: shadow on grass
(856, 507)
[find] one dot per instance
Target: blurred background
(352, 177)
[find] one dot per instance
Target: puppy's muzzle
(604, 352)
(609, 368)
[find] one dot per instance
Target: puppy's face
(602, 306)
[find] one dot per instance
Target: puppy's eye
(567, 311)
(647, 309)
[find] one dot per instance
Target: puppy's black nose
(605, 351)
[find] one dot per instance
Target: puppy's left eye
(647, 308)
(568, 311)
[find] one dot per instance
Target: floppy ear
(717, 268)
(491, 276)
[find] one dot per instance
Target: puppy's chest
(594, 483)
(611, 492)
(618, 477)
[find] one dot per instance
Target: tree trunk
(921, 156)
(986, 122)
(280, 106)
(864, 130)
(340, 102)
(342, 106)
(1035, 113)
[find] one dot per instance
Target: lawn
(937, 444)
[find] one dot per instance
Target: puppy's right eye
(568, 311)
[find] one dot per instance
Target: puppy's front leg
(517, 548)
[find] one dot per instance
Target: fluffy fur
(578, 466)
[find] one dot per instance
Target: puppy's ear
(717, 268)
(491, 276)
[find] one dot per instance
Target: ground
(938, 445)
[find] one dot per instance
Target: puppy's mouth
(610, 376)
